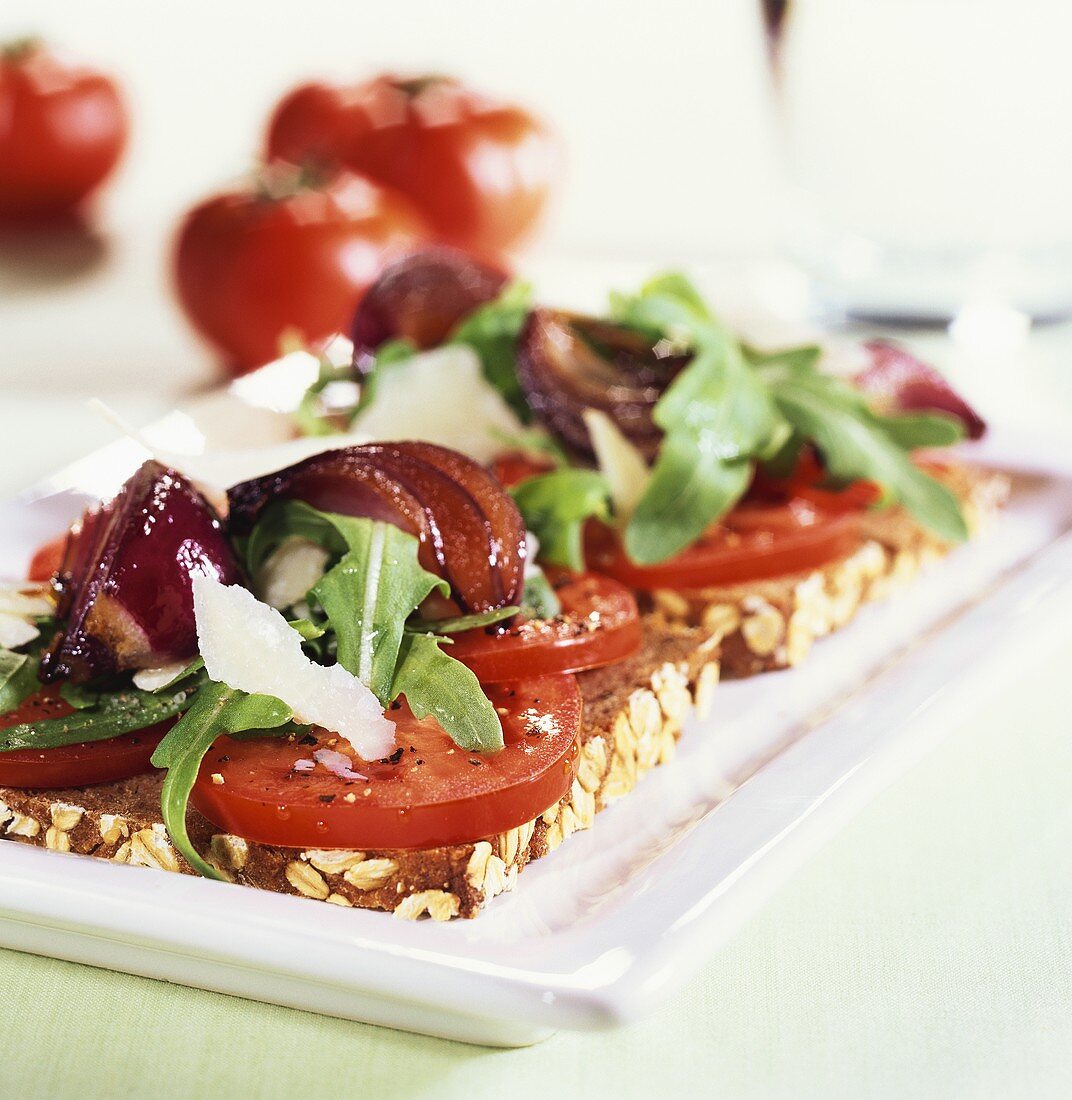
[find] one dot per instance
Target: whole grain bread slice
(633, 713)
(772, 624)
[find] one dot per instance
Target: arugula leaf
(690, 486)
(109, 714)
(715, 415)
(368, 596)
(309, 631)
(855, 444)
(535, 440)
(310, 415)
(718, 396)
(555, 507)
(287, 518)
(18, 678)
(718, 393)
(437, 685)
(667, 305)
(80, 696)
(196, 665)
(925, 430)
(217, 709)
(317, 416)
(491, 330)
(18, 670)
(461, 622)
(538, 598)
(783, 461)
(85, 696)
(803, 357)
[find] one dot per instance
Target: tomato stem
(282, 180)
(19, 49)
(415, 85)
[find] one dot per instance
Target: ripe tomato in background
(288, 257)
(480, 171)
(63, 128)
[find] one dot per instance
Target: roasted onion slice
(902, 383)
(420, 297)
(124, 593)
(567, 363)
(470, 530)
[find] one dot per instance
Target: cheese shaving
(250, 647)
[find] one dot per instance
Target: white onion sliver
(337, 763)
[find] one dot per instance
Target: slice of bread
(772, 624)
(633, 713)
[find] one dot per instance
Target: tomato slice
(81, 765)
(429, 793)
(512, 467)
(47, 559)
(857, 497)
(599, 624)
(808, 481)
(754, 542)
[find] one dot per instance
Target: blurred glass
(928, 152)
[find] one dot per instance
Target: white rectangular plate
(626, 911)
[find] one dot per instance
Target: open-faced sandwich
(365, 687)
(390, 675)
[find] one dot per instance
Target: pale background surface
(927, 951)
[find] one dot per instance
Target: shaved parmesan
(441, 397)
(153, 679)
(532, 552)
(15, 631)
(619, 462)
(221, 468)
(249, 646)
(290, 571)
(25, 603)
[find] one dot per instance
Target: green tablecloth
(926, 952)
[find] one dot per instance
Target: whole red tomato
(287, 258)
(479, 171)
(62, 130)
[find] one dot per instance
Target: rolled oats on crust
(773, 624)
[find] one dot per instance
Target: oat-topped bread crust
(772, 624)
(633, 713)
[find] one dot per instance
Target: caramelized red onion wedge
(470, 529)
(567, 363)
(124, 585)
(903, 383)
(421, 298)
(78, 557)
